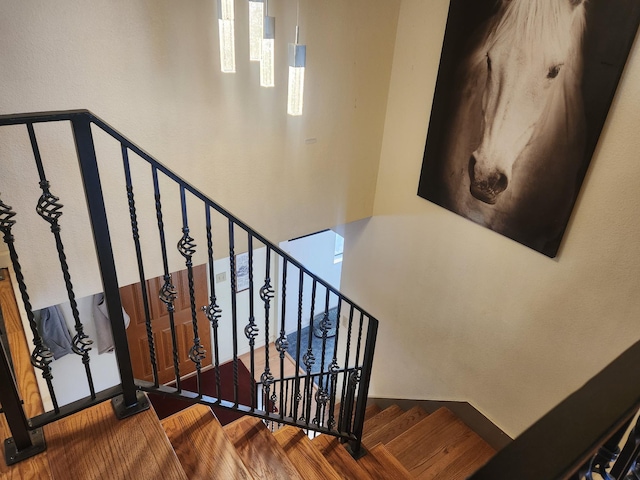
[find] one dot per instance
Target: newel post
(131, 401)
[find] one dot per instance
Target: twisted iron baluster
(322, 395)
(251, 330)
(334, 368)
(143, 284)
(49, 208)
(213, 310)
(266, 294)
(346, 364)
(282, 344)
(234, 309)
(41, 357)
(167, 293)
(309, 359)
(298, 396)
(187, 247)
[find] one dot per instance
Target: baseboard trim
(480, 424)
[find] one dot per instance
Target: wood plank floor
(311, 464)
(260, 452)
(339, 458)
(436, 443)
(95, 445)
(203, 448)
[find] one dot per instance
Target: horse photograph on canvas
(509, 153)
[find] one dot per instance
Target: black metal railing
(344, 358)
(308, 406)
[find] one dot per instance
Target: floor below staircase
(192, 444)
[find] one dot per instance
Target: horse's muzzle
(489, 188)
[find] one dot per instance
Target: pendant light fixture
(256, 19)
(267, 59)
(297, 62)
(226, 31)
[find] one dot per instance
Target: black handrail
(128, 397)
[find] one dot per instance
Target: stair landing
(95, 445)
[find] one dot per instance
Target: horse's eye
(554, 71)
(488, 62)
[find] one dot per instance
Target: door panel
(137, 332)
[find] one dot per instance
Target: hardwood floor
(259, 450)
(195, 434)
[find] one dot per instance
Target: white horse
(516, 141)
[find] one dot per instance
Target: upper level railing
(333, 377)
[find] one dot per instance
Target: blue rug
(316, 344)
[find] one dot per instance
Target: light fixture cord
(298, 24)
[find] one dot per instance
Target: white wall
(467, 314)
(151, 69)
(69, 375)
(316, 252)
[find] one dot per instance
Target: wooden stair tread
(94, 444)
(260, 451)
(464, 459)
(381, 419)
(380, 464)
(33, 468)
(435, 442)
(371, 411)
(341, 461)
(309, 461)
(395, 427)
(195, 434)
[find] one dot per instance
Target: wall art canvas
(522, 94)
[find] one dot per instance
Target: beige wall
(467, 314)
(151, 69)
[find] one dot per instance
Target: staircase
(192, 444)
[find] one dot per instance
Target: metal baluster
(629, 455)
(606, 454)
(298, 396)
(363, 388)
(23, 443)
(234, 310)
(187, 247)
(131, 401)
(251, 330)
(50, 209)
(286, 398)
(322, 395)
(354, 378)
(309, 359)
(282, 344)
(345, 378)
(167, 292)
(41, 357)
(213, 310)
(267, 294)
(143, 284)
(334, 368)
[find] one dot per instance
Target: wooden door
(137, 332)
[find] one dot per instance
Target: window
(339, 249)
